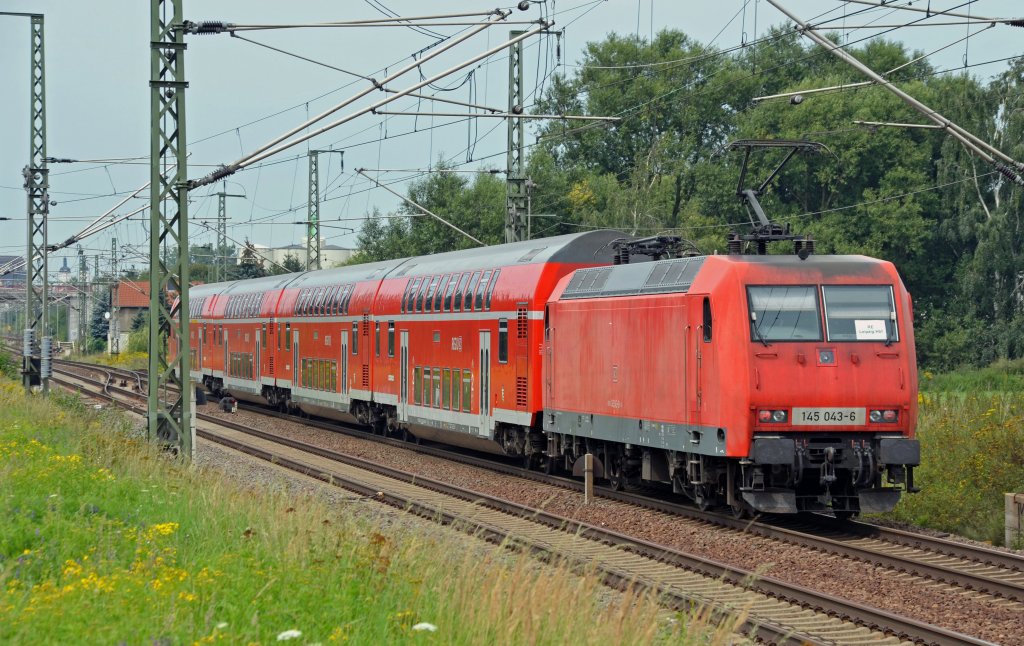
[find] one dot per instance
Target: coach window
(437, 387)
(411, 299)
(449, 290)
(417, 384)
(423, 291)
(467, 305)
(318, 305)
(336, 301)
(490, 288)
(355, 338)
(457, 303)
(456, 389)
(287, 336)
(479, 305)
(391, 338)
(426, 386)
(263, 337)
(376, 338)
(502, 340)
(278, 337)
(429, 305)
(446, 389)
(350, 290)
(467, 389)
(707, 320)
(439, 295)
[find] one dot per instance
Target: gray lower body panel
(669, 436)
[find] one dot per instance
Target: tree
(100, 323)
(250, 265)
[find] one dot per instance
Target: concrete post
(1014, 519)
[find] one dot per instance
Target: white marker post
(588, 479)
(1014, 519)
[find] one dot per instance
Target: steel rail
(1008, 584)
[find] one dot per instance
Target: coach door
(403, 391)
(257, 371)
(484, 381)
(226, 354)
(296, 373)
(344, 361)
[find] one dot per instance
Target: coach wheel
(843, 515)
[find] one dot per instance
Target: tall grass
(972, 451)
(106, 541)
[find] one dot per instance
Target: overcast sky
(241, 95)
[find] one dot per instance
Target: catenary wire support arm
(1006, 165)
(204, 27)
(503, 115)
(272, 149)
(260, 152)
(1013, 22)
(170, 414)
(417, 206)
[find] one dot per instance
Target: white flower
(425, 626)
(222, 625)
(289, 634)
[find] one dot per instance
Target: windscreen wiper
(757, 330)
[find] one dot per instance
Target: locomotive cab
(833, 385)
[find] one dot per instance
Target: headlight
(772, 416)
(884, 416)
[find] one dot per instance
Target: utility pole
(83, 299)
(515, 181)
(115, 287)
(171, 417)
(37, 185)
(221, 261)
(313, 208)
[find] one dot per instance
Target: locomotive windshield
(860, 313)
(784, 313)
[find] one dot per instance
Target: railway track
(972, 568)
(777, 612)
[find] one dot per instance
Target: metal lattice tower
(171, 419)
(83, 298)
(313, 208)
(313, 213)
(515, 179)
(115, 326)
(37, 185)
(220, 260)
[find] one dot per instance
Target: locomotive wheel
(740, 510)
(549, 465)
(843, 514)
(616, 479)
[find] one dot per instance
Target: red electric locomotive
(771, 383)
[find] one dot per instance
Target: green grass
(103, 540)
(1003, 376)
(972, 452)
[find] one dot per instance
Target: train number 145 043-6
(828, 416)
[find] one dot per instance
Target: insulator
(735, 244)
(45, 358)
(209, 27)
(29, 341)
